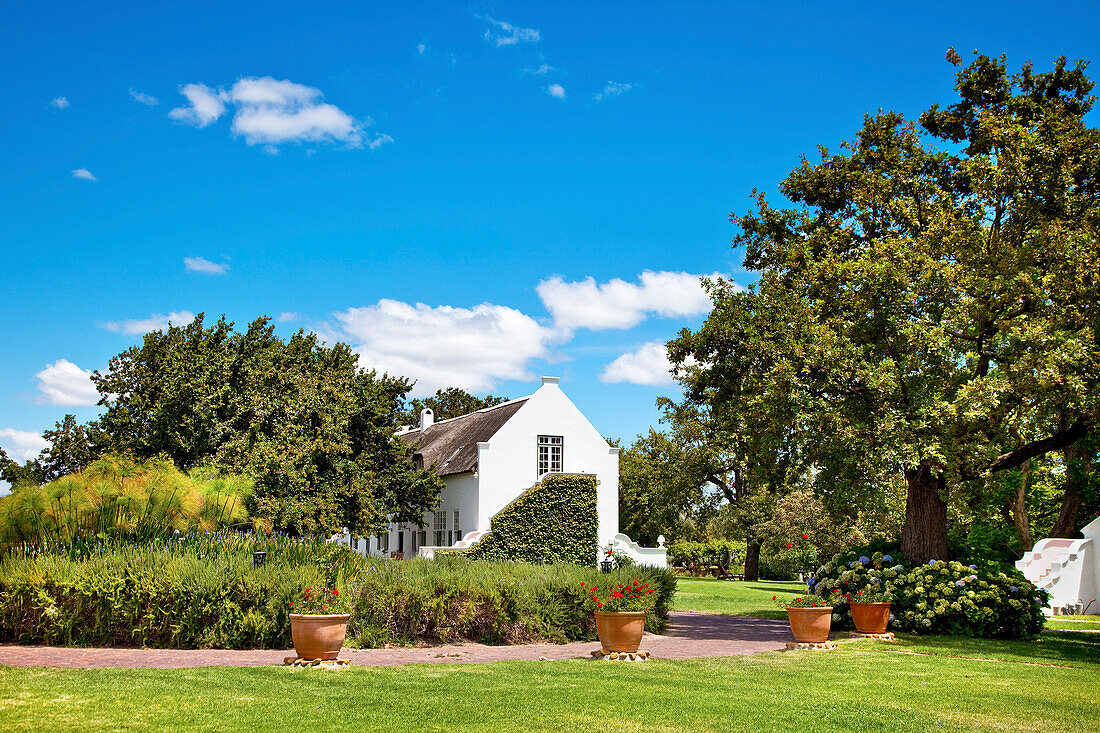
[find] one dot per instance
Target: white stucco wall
(508, 463)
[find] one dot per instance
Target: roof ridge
(468, 414)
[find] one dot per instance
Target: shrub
(941, 597)
(454, 598)
(555, 520)
(698, 557)
(205, 591)
(118, 497)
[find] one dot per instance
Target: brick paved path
(688, 635)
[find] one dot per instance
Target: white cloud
(84, 174)
(557, 91)
(271, 112)
(442, 346)
(64, 383)
(289, 317)
(506, 34)
(206, 105)
(613, 89)
(648, 364)
(542, 70)
(147, 99)
(155, 322)
(22, 445)
(619, 304)
(59, 102)
(422, 48)
(205, 266)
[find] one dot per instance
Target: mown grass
(918, 684)
(734, 597)
(1065, 624)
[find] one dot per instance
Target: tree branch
(1061, 439)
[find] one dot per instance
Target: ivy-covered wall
(555, 520)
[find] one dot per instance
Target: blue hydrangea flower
(960, 583)
(864, 559)
(811, 582)
(931, 562)
(1012, 589)
(973, 567)
(887, 558)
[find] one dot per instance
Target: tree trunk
(924, 534)
(1074, 457)
(1019, 508)
(752, 560)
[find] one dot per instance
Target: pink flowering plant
(609, 597)
(321, 601)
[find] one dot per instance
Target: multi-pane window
(384, 542)
(456, 533)
(550, 452)
(440, 527)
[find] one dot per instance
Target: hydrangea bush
(937, 598)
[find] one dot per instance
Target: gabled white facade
(507, 465)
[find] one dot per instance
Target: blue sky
(469, 193)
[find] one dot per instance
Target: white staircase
(1067, 569)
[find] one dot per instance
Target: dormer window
(550, 454)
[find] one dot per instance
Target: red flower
(595, 588)
(773, 598)
(292, 604)
(649, 591)
(599, 605)
(788, 544)
(324, 608)
(805, 536)
(582, 583)
(335, 592)
(307, 592)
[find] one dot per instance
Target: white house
(489, 457)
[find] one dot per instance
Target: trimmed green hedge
(555, 520)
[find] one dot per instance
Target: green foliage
(119, 497)
(130, 596)
(446, 403)
(554, 520)
(313, 430)
(453, 598)
(608, 596)
(939, 597)
(699, 557)
(322, 600)
(919, 309)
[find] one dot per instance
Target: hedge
(162, 598)
(554, 521)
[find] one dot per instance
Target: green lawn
(1061, 624)
(914, 685)
(734, 597)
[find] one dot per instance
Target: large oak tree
(933, 308)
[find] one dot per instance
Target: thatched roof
(451, 445)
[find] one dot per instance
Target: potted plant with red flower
(870, 609)
(620, 611)
(319, 623)
(810, 617)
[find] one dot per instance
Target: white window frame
(550, 454)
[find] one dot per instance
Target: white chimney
(550, 380)
(427, 419)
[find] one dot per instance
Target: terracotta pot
(318, 636)
(871, 618)
(810, 625)
(620, 631)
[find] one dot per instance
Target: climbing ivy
(555, 520)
